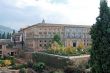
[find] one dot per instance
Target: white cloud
(81, 12)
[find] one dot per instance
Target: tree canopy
(100, 35)
(57, 39)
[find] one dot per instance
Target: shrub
(29, 64)
(22, 70)
(39, 67)
(56, 72)
(57, 49)
(80, 45)
(1, 63)
(1, 58)
(19, 66)
(70, 51)
(7, 62)
(14, 67)
(12, 60)
(76, 68)
(22, 66)
(73, 70)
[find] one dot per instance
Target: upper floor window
(49, 32)
(40, 41)
(40, 45)
(0, 46)
(54, 33)
(45, 41)
(45, 45)
(45, 32)
(0, 52)
(40, 32)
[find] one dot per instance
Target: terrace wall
(59, 61)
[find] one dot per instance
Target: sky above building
(22, 13)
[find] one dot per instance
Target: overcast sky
(21, 13)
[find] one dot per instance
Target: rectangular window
(45, 32)
(87, 44)
(49, 40)
(74, 44)
(40, 41)
(40, 32)
(0, 52)
(40, 45)
(44, 44)
(54, 33)
(0, 46)
(49, 32)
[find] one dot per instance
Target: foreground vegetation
(100, 35)
(7, 61)
(66, 51)
(56, 47)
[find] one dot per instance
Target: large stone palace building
(38, 36)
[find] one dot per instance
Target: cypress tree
(0, 36)
(13, 32)
(3, 36)
(8, 36)
(100, 35)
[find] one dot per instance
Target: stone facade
(6, 48)
(38, 36)
(75, 34)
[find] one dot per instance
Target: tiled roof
(52, 24)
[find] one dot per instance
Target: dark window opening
(0, 46)
(40, 45)
(45, 45)
(12, 53)
(40, 41)
(74, 44)
(40, 32)
(87, 44)
(0, 52)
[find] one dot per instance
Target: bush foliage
(100, 35)
(66, 51)
(22, 70)
(19, 66)
(40, 66)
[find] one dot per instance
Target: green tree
(0, 35)
(22, 70)
(8, 36)
(57, 39)
(4, 36)
(100, 35)
(13, 32)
